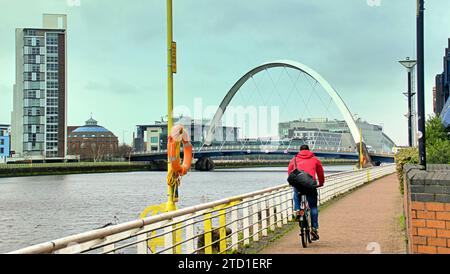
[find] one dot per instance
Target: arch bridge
(208, 151)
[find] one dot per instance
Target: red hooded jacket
(307, 162)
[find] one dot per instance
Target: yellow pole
(170, 202)
(361, 159)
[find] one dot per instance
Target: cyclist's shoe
(315, 235)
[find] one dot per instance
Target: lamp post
(421, 83)
(409, 65)
(123, 136)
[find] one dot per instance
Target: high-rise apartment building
(40, 92)
(443, 83)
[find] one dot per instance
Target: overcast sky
(117, 52)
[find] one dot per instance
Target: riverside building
(40, 91)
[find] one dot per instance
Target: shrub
(438, 148)
(403, 157)
(438, 142)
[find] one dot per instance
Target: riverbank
(26, 170)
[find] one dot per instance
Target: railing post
(255, 214)
(168, 240)
(107, 249)
(271, 213)
(278, 207)
(234, 228)
(223, 230)
(284, 209)
(208, 234)
(246, 223)
(290, 205)
(142, 246)
(263, 206)
(190, 235)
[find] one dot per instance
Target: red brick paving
(362, 222)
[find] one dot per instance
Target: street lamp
(123, 136)
(409, 65)
(421, 83)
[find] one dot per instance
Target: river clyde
(39, 209)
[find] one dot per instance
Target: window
(52, 67)
(32, 103)
(52, 49)
(52, 93)
(52, 119)
(30, 32)
(52, 110)
(35, 51)
(30, 59)
(2, 150)
(52, 85)
(32, 94)
(52, 137)
(154, 140)
(51, 102)
(52, 59)
(52, 76)
(52, 39)
(52, 128)
(2, 142)
(35, 68)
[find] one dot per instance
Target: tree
(124, 151)
(437, 142)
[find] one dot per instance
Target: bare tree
(97, 152)
(124, 151)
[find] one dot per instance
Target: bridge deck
(369, 215)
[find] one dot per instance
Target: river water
(39, 209)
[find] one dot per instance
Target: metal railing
(268, 148)
(222, 226)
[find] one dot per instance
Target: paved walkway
(362, 222)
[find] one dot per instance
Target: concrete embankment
(22, 170)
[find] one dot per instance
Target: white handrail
(253, 213)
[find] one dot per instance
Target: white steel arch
(348, 117)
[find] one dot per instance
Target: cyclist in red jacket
(307, 162)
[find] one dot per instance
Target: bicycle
(305, 221)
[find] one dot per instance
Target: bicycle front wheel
(304, 236)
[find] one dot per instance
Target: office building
(442, 88)
(40, 90)
(322, 133)
(153, 138)
(4, 143)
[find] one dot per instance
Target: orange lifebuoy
(178, 134)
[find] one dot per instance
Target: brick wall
(427, 209)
